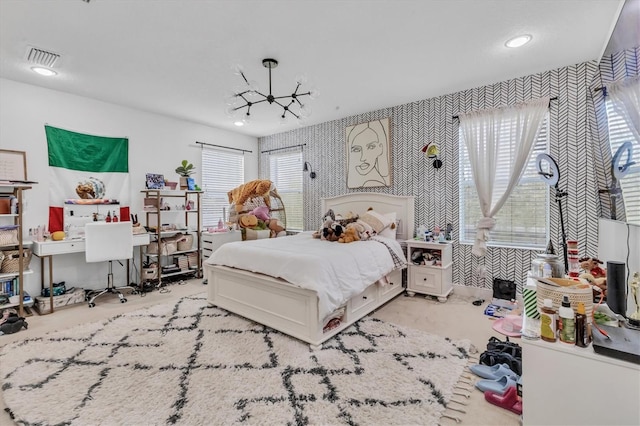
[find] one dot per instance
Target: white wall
(157, 144)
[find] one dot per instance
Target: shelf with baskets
(173, 218)
(430, 268)
(16, 255)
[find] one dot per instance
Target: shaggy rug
(193, 364)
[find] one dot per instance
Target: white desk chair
(108, 242)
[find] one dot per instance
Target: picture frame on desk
(154, 181)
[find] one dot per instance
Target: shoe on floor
(509, 401)
(493, 372)
(499, 386)
(12, 327)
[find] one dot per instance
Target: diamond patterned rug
(190, 363)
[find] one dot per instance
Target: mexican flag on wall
(86, 169)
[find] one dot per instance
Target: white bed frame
(293, 310)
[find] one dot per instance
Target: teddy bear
(276, 227)
(254, 188)
(364, 230)
(349, 235)
(594, 275)
(591, 265)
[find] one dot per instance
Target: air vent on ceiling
(41, 57)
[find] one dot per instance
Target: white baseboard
(475, 292)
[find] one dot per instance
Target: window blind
(285, 171)
(620, 133)
(221, 172)
(523, 220)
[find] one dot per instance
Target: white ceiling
(175, 57)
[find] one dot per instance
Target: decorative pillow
(376, 220)
(390, 231)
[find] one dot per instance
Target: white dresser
(566, 385)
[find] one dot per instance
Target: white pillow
(376, 220)
(390, 231)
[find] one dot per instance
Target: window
(522, 221)
(620, 133)
(221, 172)
(285, 171)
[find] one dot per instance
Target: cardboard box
(70, 298)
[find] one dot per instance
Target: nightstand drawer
(426, 280)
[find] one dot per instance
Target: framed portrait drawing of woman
(369, 154)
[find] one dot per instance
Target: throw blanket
(337, 272)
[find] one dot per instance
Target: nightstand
(212, 240)
(433, 276)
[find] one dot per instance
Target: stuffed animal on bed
(349, 235)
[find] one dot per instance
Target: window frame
(214, 160)
(295, 168)
(468, 237)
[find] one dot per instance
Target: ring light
(620, 171)
(553, 175)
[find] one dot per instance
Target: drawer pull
(364, 297)
(424, 279)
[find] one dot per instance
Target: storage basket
(8, 237)
(577, 292)
(11, 261)
(185, 243)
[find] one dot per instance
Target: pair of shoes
(499, 386)
(511, 348)
(13, 327)
(509, 400)
(492, 358)
(493, 372)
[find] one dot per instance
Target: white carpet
(189, 363)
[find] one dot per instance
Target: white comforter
(335, 271)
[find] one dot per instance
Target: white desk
(47, 249)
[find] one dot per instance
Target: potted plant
(185, 170)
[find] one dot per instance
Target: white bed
(297, 311)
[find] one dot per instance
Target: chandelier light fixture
(250, 94)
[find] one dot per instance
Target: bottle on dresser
(582, 330)
(548, 321)
(567, 321)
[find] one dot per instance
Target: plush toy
(276, 227)
(365, 231)
(327, 220)
(591, 265)
(248, 221)
(261, 212)
(349, 235)
(254, 188)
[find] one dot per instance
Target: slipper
(492, 358)
(499, 386)
(509, 400)
(495, 372)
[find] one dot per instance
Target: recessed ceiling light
(238, 123)
(44, 71)
(518, 41)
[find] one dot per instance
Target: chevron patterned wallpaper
(436, 190)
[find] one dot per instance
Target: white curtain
(486, 135)
(625, 97)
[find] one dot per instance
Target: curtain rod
(226, 147)
(555, 98)
(280, 149)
